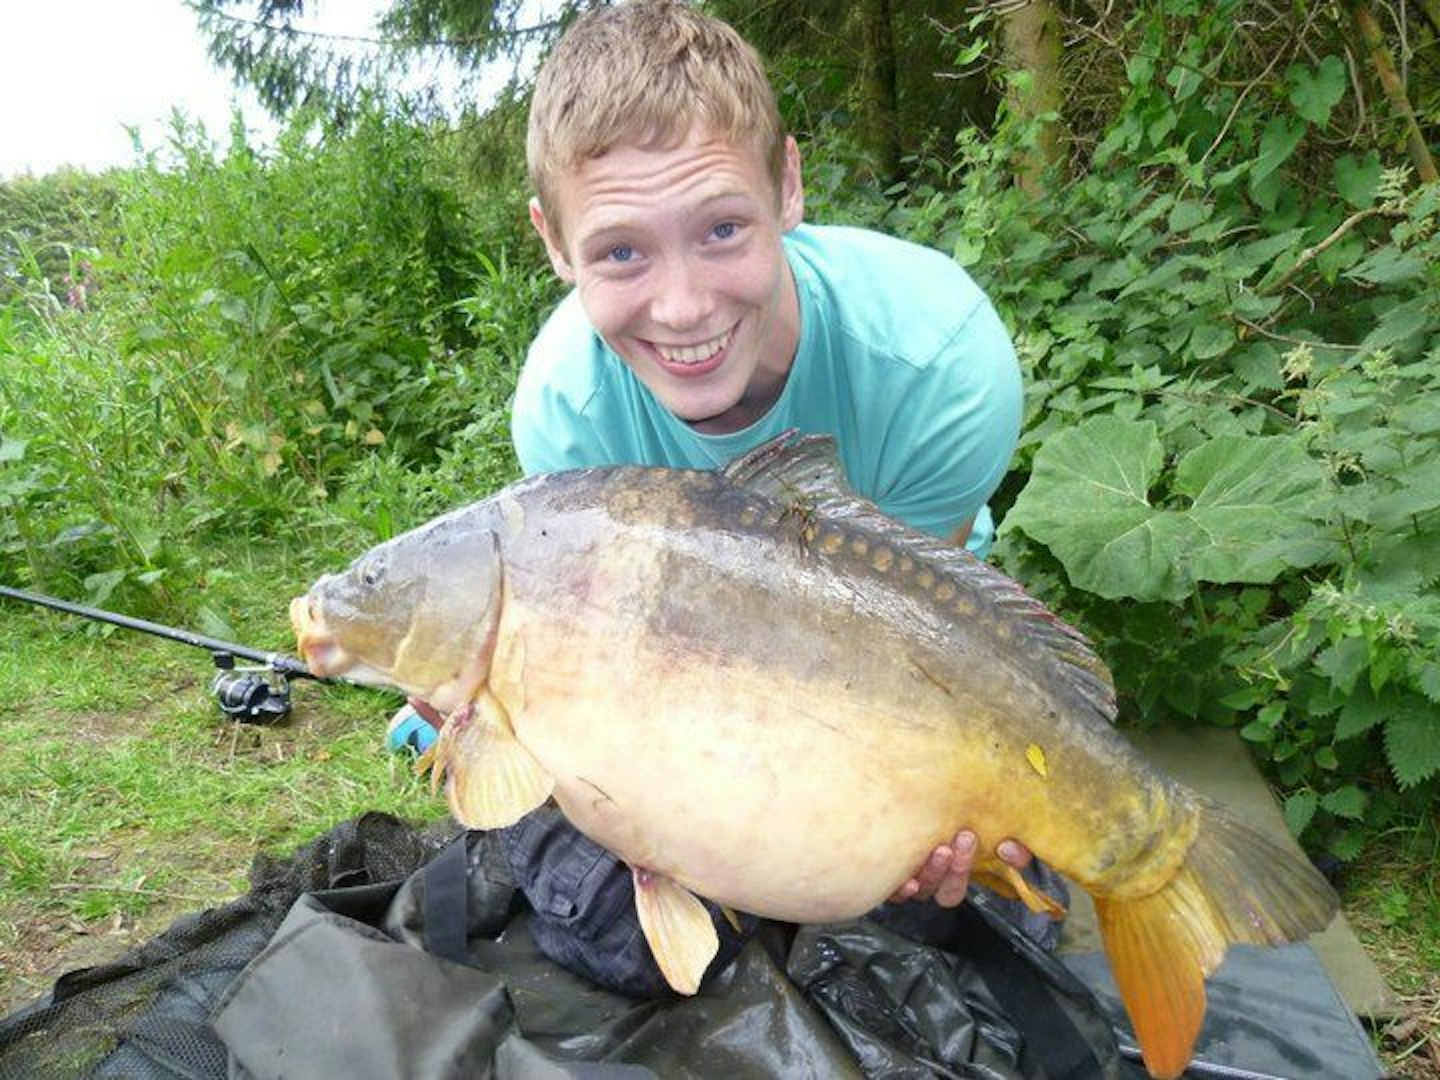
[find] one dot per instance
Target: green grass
(126, 797)
(1392, 899)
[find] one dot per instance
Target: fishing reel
(250, 695)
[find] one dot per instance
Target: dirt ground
(37, 945)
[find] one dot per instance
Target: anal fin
(493, 781)
(678, 929)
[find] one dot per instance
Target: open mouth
(695, 359)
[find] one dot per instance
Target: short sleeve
(548, 423)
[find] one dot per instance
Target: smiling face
(676, 254)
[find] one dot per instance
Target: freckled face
(677, 258)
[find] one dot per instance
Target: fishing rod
(251, 695)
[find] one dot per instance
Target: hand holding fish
(945, 876)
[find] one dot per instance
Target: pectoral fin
(493, 780)
(678, 928)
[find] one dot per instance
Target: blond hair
(648, 73)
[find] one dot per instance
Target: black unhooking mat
(334, 965)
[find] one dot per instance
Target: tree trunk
(877, 84)
(1374, 40)
(1030, 43)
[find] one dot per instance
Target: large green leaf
(1412, 745)
(1358, 179)
(1277, 142)
(1315, 91)
(1249, 492)
(1088, 501)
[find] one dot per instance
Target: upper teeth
(693, 354)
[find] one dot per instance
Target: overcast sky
(74, 73)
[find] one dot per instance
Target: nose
(683, 299)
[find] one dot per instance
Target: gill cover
(421, 610)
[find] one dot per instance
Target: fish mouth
(317, 646)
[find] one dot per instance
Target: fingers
(951, 888)
(945, 875)
(904, 892)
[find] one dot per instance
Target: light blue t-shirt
(901, 358)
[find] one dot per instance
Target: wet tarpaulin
(330, 967)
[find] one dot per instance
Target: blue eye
(725, 230)
(620, 253)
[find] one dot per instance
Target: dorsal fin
(806, 474)
(787, 470)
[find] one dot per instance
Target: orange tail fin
(1235, 886)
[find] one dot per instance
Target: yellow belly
(805, 803)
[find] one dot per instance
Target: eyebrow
(607, 229)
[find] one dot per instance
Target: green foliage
(47, 227)
(426, 55)
(1244, 504)
(261, 329)
(1232, 343)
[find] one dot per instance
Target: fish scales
(730, 627)
(754, 687)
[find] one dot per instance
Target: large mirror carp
(753, 686)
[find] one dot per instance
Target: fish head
(418, 612)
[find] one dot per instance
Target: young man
(706, 319)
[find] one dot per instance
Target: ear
(553, 247)
(792, 189)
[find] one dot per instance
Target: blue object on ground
(410, 731)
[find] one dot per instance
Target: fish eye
(373, 572)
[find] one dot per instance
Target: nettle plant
(1231, 335)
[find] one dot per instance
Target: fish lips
(317, 646)
(324, 655)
